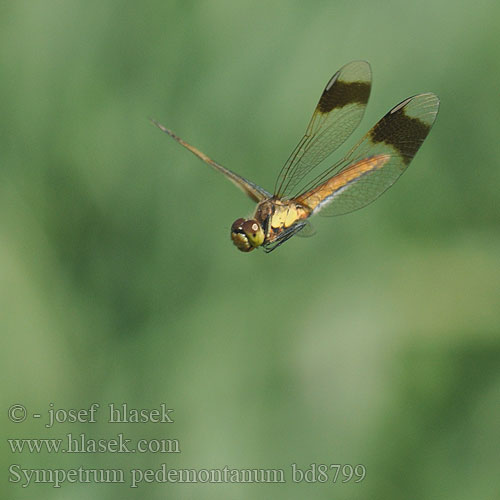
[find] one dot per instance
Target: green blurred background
(376, 342)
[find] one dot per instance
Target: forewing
(377, 161)
(307, 230)
(337, 114)
(255, 192)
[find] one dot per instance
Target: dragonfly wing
(307, 230)
(377, 161)
(255, 192)
(337, 114)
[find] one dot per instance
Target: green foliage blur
(375, 342)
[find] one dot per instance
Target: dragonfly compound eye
(254, 232)
(247, 234)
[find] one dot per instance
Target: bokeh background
(376, 342)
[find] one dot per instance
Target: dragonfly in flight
(371, 166)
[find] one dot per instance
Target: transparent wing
(376, 162)
(255, 192)
(337, 114)
(307, 230)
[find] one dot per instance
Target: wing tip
(423, 107)
(357, 70)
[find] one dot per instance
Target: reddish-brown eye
(247, 234)
(237, 225)
(250, 227)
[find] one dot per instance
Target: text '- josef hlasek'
(114, 414)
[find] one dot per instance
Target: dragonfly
(368, 169)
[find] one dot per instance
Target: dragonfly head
(247, 234)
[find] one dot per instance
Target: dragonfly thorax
(273, 219)
(247, 234)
